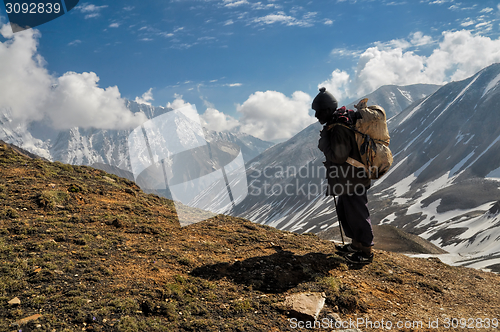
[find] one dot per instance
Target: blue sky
(247, 65)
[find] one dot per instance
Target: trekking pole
(338, 219)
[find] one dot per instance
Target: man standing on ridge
(348, 182)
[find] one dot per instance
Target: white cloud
(273, 116)
(269, 115)
(328, 22)
(145, 98)
(343, 52)
(486, 10)
(75, 42)
(337, 84)
(439, 2)
(25, 81)
(91, 15)
(281, 17)
(419, 39)
(458, 55)
(232, 85)
(114, 25)
(214, 120)
(177, 103)
(90, 10)
(260, 6)
(275, 18)
(468, 23)
(31, 93)
(235, 3)
(78, 101)
(206, 38)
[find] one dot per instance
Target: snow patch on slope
(493, 83)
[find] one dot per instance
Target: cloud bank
(273, 116)
(31, 93)
(269, 115)
(458, 55)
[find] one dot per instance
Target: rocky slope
(81, 249)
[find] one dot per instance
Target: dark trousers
(353, 213)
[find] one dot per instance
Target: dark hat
(324, 101)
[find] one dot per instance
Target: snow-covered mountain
(444, 182)
(80, 146)
(442, 186)
(75, 146)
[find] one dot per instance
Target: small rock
(118, 223)
(129, 191)
(334, 317)
(108, 179)
(15, 301)
(26, 320)
(305, 305)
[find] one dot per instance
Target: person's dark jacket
(338, 144)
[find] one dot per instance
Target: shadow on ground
(275, 273)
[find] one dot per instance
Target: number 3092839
(33, 8)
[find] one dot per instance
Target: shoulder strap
(330, 127)
(350, 161)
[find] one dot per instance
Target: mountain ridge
(79, 146)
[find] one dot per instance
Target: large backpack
(372, 137)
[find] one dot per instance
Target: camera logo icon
(169, 155)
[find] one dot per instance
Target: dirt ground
(83, 250)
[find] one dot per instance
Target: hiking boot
(359, 258)
(345, 249)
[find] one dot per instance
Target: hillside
(85, 250)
